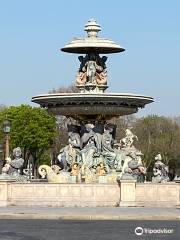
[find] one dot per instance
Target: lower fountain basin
(92, 105)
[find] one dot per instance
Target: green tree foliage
(32, 129)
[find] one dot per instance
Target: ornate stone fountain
(90, 153)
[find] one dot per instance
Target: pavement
(87, 213)
(35, 229)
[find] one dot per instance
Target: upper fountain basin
(95, 45)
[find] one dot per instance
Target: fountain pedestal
(128, 193)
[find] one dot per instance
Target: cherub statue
(160, 170)
(12, 168)
(100, 169)
(74, 169)
(127, 141)
(133, 168)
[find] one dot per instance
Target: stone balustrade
(126, 193)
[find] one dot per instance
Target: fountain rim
(83, 105)
(92, 49)
(92, 95)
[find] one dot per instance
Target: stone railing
(126, 193)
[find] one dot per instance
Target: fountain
(92, 161)
(91, 151)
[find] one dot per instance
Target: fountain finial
(92, 28)
(92, 43)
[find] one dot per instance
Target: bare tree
(69, 89)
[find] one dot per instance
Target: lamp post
(1, 148)
(1, 157)
(6, 130)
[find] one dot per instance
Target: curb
(86, 217)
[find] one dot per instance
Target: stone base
(125, 194)
(158, 194)
(102, 179)
(128, 194)
(62, 195)
(127, 204)
(72, 179)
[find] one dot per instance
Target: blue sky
(33, 31)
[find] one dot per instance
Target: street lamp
(6, 130)
(6, 126)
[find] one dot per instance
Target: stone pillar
(3, 193)
(127, 193)
(7, 146)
